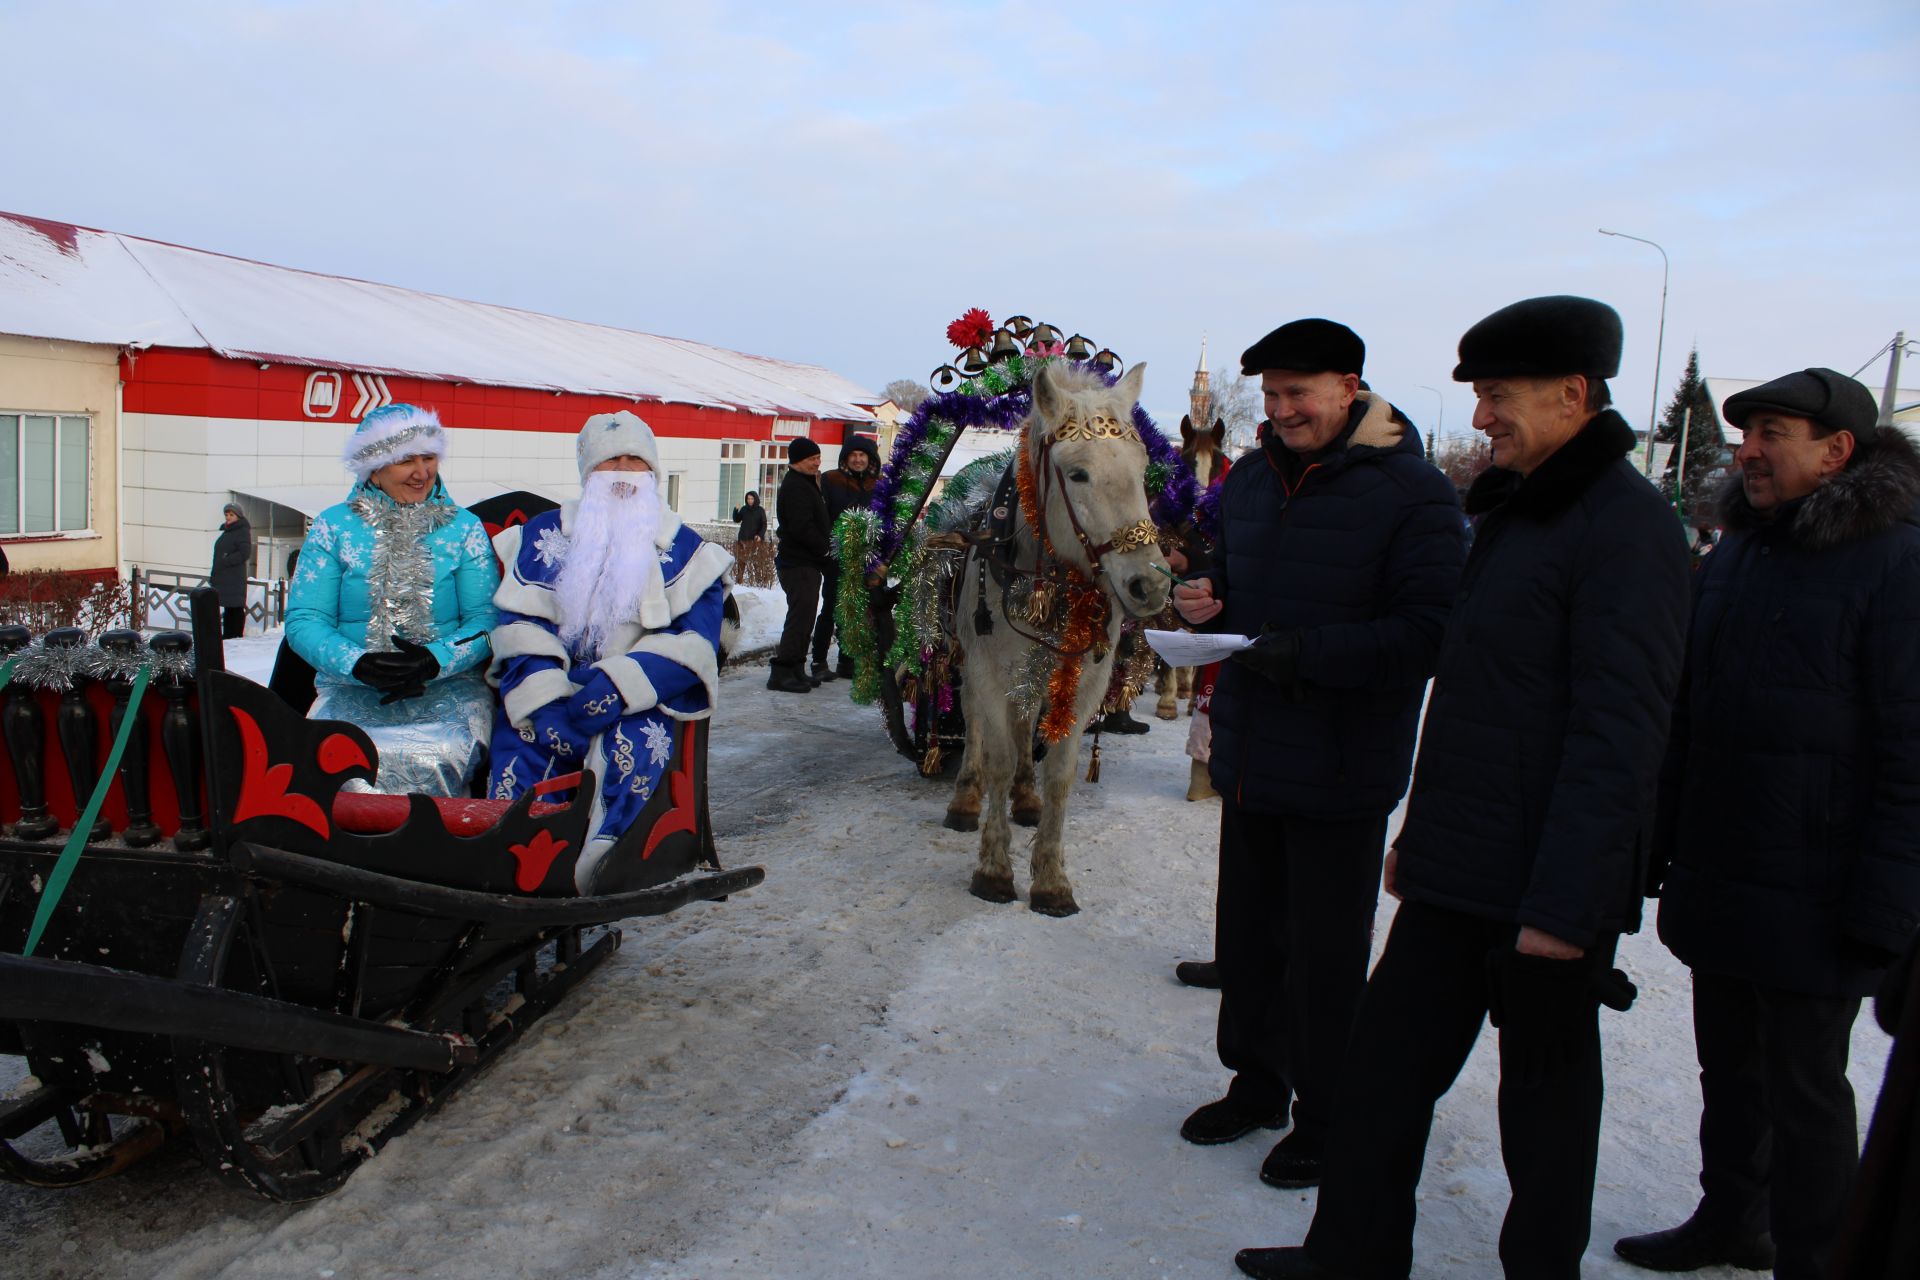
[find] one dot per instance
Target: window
(43, 472)
(673, 490)
(773, 465)
(733, 476)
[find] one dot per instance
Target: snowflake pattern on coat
(551, 547)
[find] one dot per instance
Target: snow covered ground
(856, 1069)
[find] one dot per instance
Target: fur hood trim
(1559, 481)
(1879, 488)
(1380, 427)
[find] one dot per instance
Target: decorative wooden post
(79, 734)
(180, 737)
(124, 647)
(24, 729)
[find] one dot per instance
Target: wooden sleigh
(292, 972)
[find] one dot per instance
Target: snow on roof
(75, 283)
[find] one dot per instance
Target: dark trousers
(1779, 1141)
(1421, 1016)
(233, 622)
(801, 583)
(823, 629)
(1293, 932)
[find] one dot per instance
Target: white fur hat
(613, 435)
(390, 433)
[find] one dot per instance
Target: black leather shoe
(1695, 1244)
(1228, 1120)
(1292, 1164)
(788, 680)
(1198, 973)
(1284, 1264)
(823, 673)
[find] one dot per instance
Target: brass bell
(1043, 335)
(1078, 348)
(1106, 359)
(1003, 346)
(973, 362)
(1019, 327)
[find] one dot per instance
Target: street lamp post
(1660, 343)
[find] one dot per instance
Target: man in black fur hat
(1339, 547)
(1790, 812)
(1522, 858)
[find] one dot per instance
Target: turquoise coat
(328, 606)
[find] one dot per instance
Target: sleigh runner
(242, 948)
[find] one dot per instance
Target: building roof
(74, 283)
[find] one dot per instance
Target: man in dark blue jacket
(1340, 549)
(1523, 855)
(1790, 812)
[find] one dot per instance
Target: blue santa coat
(665, 664)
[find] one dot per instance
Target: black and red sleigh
(240, 949)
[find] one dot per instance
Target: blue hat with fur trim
(390, 433)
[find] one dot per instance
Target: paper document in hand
(1191, 649)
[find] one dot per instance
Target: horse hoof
(1057, 903)
(1026, 817)
(991, 888)
(960, 820)
(1168, 711)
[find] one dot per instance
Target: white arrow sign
(373, 394)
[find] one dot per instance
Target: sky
(834, 183)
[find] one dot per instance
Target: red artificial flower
(972, 329)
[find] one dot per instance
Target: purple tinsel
(1206, 512)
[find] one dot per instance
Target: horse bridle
(1128, 537)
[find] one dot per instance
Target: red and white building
(143, 386)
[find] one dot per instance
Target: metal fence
(752, 561)
(160, 599)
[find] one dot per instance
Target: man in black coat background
(804, 553)
(1523, 856)
(1339, 547)
(232, 555)
(1790, 812)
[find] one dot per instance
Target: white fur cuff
(535, 692)
(632, 683)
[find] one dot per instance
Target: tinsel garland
(852, 534)
(1086, 608)
(54, 668)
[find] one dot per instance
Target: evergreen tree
(1706, 441)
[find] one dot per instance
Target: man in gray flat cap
(1790, 813)
(1522, 859)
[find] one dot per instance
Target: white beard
(612, 564)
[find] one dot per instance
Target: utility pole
(1680, 467)
(1893, 379)
(1659, 343)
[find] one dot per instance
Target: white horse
(1065, 587)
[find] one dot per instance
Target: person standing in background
(232, 553)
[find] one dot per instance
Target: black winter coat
(1362, 556)
(1533, 796)
(232, 554)
(753, 521)
(802, 514)
(1790, 805)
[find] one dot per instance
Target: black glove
(1545, 1008)
(382, 670)
(425, 665)
(420, 666)
(1275, 654)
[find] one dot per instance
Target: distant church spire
(1201, 393)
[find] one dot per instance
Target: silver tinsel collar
(400, 575)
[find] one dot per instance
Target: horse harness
(1052, 582)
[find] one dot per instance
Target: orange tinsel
(1085, 610)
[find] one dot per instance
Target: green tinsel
(1156, 478)
(854, 535)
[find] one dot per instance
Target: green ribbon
(63, 866)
